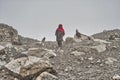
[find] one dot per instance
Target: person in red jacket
(59, 34)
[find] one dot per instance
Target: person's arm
(56, 32)
(63, 33)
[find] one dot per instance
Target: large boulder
(101, 41)
(100, 47)
(7, 53)
(31, 69)
(41, 52)
(27, 68)
(69, 40)
(8, 33)
(46, 76)
(82, 37)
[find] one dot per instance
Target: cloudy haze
(39, 18)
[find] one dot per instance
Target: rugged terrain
(88, 59)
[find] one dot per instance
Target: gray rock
(76, 53)
(7, 33)
(2, 63)
(28, 67)
(100, 48)
(46, 76)
(69, 40)
(110, 60)
(1, 47)
(116, 77)
(90, 58)
(42, 52)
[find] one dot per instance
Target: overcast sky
(39, 18)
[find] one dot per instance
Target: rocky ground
(29, 59)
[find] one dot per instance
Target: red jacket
(59, 33)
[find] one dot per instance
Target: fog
(39, 18)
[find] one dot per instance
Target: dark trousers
(59, 43)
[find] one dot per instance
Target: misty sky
(39, 18)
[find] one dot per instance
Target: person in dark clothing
(59, 34)
(78, 33)
(43, 40)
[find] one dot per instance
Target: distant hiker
(43, 40)
(59, 35)
(78, 35)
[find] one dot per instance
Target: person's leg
(60, 43)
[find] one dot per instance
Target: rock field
(97, 58)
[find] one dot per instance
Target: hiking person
(78, 34)
(43, 41)
(59, 34)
